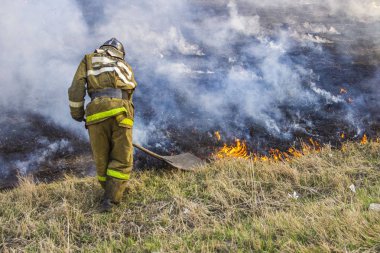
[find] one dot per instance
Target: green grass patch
(227, 206)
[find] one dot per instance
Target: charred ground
(31, 144)
(34, 145)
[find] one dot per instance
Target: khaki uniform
(109, 120)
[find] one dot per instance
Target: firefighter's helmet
(114, 43)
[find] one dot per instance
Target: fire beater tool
(185, 161)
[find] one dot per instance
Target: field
(315, 203)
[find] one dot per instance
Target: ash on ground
(33, 145)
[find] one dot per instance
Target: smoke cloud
(256, 70)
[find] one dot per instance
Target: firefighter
(110, 83)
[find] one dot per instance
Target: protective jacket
(101, 70)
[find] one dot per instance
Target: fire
(364, 140)
(294, 152)
(343, 91)
(315, 145)
(277, 155)
(239, 150)
(217, 135)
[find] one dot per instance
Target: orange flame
(277, 155)
(294, 152)
(315, 145)
(364, 140)
(217, 135)
(239, 150)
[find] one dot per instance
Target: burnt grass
(33, 145)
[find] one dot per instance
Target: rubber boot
(106, 206)
(115, 189)
(113, 192)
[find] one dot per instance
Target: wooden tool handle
(148, 151)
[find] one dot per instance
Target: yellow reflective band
(117, 174)
(102, 179)
(106, 114)
(127, 121)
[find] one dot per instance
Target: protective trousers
(112, 149)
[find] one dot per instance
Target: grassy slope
(228, 206)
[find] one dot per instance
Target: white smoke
(196, 50)
(319, 28)
(42, 155)
(41, 43)
(364, 10)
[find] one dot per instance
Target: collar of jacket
(112, 52)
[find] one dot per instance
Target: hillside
(305, 205)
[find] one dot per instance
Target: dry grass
(228, 206)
